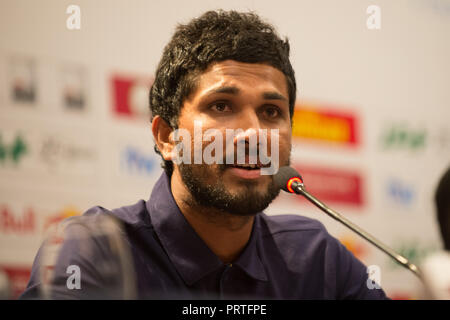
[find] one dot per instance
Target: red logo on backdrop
(332, 185)
(10, 223)
(315, 123)
(401, 296)
(130, 95)
(18, 279)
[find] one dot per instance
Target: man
(436, 266)
(442, 202)
(203, 234)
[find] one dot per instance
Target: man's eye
(271, 112)
(221, 107)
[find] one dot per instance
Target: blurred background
(371, 127)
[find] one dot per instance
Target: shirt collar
(250, 260)
(190, 255)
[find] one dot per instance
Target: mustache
(243, 152)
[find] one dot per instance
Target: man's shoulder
(297, 231)
(134, 215)
(288, 223)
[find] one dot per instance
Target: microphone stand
(300, 189)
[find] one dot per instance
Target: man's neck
(224, 233)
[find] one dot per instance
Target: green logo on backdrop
(402, 137)
(414, 251)
(14, 151)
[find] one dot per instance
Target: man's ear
(162, 135)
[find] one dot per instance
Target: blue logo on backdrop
(136, 162)
(400, 193)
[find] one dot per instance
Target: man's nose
(249, 124)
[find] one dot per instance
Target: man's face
(236, 95)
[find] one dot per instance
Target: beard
(247, 202)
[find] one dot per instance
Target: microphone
(289, 180)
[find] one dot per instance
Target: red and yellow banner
(332, 185)
(318, 124)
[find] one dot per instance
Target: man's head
(226, 70)
(442, 201)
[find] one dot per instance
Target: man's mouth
(246, 171)
(246, 166)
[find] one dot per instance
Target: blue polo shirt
(287, 257)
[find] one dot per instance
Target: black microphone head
(285, 176)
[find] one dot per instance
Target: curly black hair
(213, 37)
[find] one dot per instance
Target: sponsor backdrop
(371, 132)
